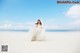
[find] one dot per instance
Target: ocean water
(45, 30)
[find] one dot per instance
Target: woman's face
(39, 21)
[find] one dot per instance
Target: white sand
(57, 42)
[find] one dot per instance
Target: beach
(56, 42)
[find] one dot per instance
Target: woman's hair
(38, 22)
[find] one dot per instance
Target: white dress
(38, 34)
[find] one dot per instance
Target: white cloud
(51, 26)
(14, 26)
(5, 26)
(75, 23)
(74, 12)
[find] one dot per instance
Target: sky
(23, 14)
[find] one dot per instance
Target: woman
(38, 32)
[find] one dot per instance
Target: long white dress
(38, 34)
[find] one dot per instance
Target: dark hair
(39, 21)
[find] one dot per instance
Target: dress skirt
(38, 34)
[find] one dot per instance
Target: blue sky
(26, 12)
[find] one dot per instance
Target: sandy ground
(56, 42)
